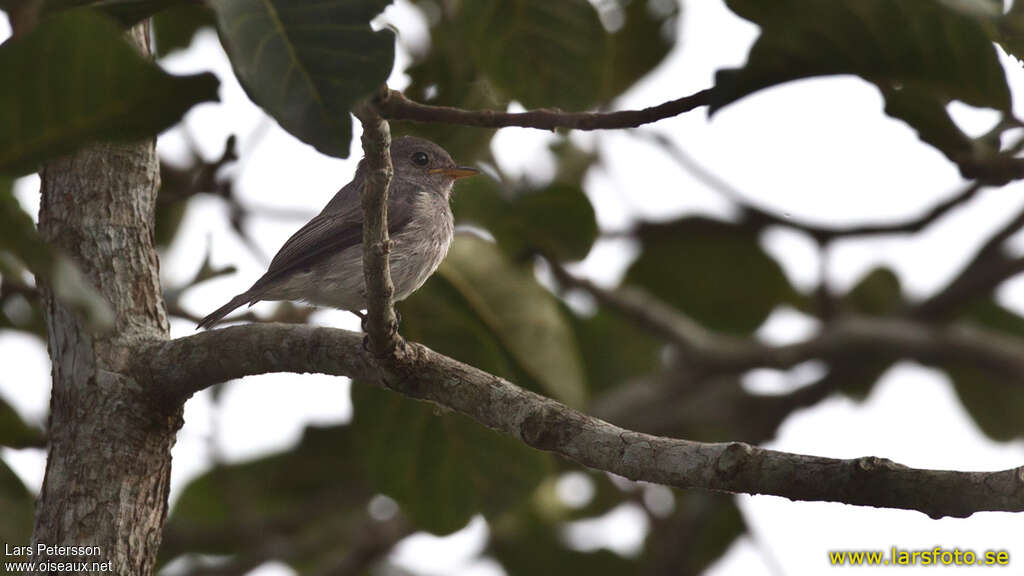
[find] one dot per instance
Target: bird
(322, 263)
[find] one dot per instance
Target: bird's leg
(394, 330)
(363, 317)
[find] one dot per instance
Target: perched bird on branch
(322, 263)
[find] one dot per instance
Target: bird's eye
(420, 158)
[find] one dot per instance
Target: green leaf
(174, 28)
(484, 311)
(307, 62)
(538, 52)
(557, 220)
(530, 544)
(919, 44)
(713, 271)
(929, 116)
(437, 315)
(994, 400)
(17, 506)
(520, 314)
(698, 533)
(15, 432)
(1010, 31)
(442, 468)
(285, 490)
(79, 81)
(877, 294)
(18, 237)
(614, 350)
(640, 45)
(134, 98)
(445, 76)
(975, 157)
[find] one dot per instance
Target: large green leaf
(538, 52)
(713, 271)
(1010, 30)
(529, 545)
(920, 44)
(282, 492)
(437, 316)
(929, 116)
(640, 45)
(994, 400)
(16, 509)
(174, 28)
(699, 531)
(75, 79)
(446, 76)
(484, 311)
(520, 314)
(614, 350)
(557, 220)
(441, 467)
(15, 432)
(878, 293)
(307, 62)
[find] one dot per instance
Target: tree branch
(989, 268)
(842, 338)
(215, 356)
(395, 106)
(381, 323)
(821, 234)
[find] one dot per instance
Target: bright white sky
(820, 150)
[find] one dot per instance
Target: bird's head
(421, 161)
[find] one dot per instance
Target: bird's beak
(456, 172)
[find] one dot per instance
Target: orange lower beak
(456, 172)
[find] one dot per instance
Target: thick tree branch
(210, 357)
(395, 106)
(381, 323)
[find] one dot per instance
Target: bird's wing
(338, 227)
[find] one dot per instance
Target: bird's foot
(399, 343)
(362, 319)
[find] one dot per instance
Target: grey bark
(108, 471)
(381, 323)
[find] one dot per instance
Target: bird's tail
(219, 314)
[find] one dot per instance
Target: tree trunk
(108, 470)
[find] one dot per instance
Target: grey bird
(322, 263)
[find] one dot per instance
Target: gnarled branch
(206, 358)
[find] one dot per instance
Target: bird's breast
(420, 247)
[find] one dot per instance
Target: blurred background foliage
(339, 501)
